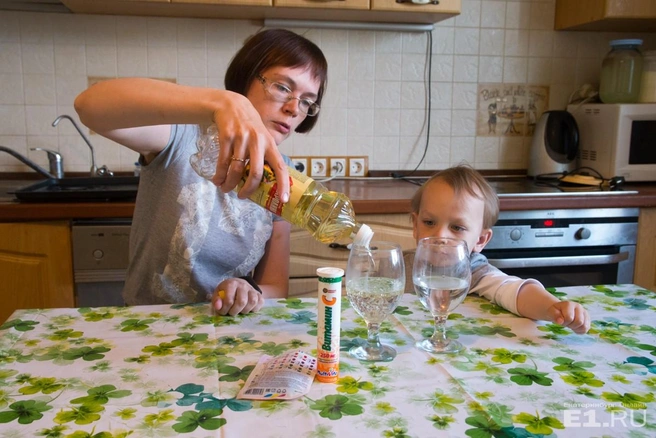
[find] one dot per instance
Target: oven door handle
(548, 262)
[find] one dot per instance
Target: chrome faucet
(55, 160)
(95, 171)
(27, 161)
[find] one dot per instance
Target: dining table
(169, 370)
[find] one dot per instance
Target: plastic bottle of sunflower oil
(328, 216)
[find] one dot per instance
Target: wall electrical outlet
(357, 166)
(300, 164)
(318, 167)
(337, 166)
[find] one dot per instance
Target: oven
(566, 247)
(100, 261)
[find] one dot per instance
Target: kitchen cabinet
(325, 10)
(606, 15)
(645, 269)
(307, 254)
(35, 266)
(314, 4)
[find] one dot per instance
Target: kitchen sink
(117, 188)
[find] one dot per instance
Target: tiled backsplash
(376, 98)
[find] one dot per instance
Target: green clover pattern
(176, 370)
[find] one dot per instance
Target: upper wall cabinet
(606, 15)
(390, 11)
(357, 5)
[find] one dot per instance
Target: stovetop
(529, 187)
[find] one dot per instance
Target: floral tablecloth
(175, 370)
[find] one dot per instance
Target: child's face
(443, 214)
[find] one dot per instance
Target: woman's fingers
(235, 300)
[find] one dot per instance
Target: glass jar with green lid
(621, 71)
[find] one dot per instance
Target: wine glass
(441, 274)
(375, 283)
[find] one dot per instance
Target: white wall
(375, 104)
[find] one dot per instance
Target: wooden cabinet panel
(606, 15)
(645, 269)
(323, 4)
(631, 8)
(307, 254)
(228, 2)
(35, 266)
(386, 11)
(443, 7)
(237, 9)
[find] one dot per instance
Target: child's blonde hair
(464, 177)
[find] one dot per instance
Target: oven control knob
(582, 233)
(515, 234)
(98, 254)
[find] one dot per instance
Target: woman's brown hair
(273, 48)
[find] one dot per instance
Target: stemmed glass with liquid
(375, 283)
(441, 274)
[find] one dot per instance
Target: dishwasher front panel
(100, 261)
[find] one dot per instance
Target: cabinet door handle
(420, 2)
(548, 262)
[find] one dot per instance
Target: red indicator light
(548, 223)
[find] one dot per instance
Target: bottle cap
(628, 42)
(364, 236)
(330, 272)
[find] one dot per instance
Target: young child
(458, 202)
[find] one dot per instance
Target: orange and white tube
(328, 323)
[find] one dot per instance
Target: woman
(190, 239)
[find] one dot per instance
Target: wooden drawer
(313, 4)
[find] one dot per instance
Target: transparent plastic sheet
(204, 161)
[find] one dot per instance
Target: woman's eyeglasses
(282, 93)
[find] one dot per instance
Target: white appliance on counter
(617, 139)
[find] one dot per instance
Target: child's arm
(534, 302)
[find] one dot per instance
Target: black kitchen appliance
(555, 145)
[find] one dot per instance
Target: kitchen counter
(369, 196)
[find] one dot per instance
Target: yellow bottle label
(266, 195)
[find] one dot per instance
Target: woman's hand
(234, 296)
(242, 135)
